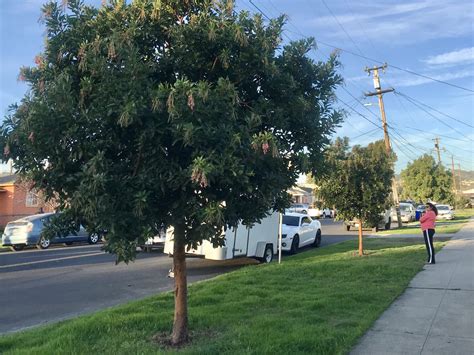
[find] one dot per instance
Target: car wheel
(375, 229)
(324, 215)
(93, 238)
(43, 243)
(317, 239)
(348, 228)
(388, 225)
(295, 244)
(304, 212)
(17, 247)
(267, 255)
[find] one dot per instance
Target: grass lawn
(320, 301)
(442, 226)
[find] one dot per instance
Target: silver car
(27, 231)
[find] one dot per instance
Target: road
(43, 286)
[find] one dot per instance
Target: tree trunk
(361, 248)
(180, 324)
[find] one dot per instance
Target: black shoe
(432, 262)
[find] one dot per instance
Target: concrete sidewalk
(435, 314)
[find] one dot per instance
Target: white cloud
(389, 22)
(415, 81)
(462, 56)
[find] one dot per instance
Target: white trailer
(259, 241)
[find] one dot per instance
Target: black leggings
(428, 236)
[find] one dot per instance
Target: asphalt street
(43, 286)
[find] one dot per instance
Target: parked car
(407, 212)
(299, 230)
(27, 231)
(385, 222)
(298, 208)
(444, 212)
(327, 213)
(315, 212)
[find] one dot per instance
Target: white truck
(259, 241)
(385, 222)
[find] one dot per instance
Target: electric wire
(341, 26)
(440, 135)
(433, 109)
(435, 117)
(378, 61)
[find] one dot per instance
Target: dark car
(27, 231)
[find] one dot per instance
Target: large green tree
(357, 182)
(424, 180)
(181, 113)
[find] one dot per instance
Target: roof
(8, 180)
(307, 189)
(296, 191)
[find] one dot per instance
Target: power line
(438, 111)
(368, 132)
(441, 135)
(460, 159)
(376, 60)
(359, 114)
(394, 140)
(429, 113)
(342, 27)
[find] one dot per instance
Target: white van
(259, 241)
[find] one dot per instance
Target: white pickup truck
(315, 212)
(385, 223)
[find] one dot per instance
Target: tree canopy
(357, 182)
(424, 180)
(181, 113)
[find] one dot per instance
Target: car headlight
(29, 227)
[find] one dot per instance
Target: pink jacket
(427, 221)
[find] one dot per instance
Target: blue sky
(431, 37)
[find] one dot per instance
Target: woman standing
(427, 222)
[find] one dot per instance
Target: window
(291, 220)
(32, 199)
(305, 220)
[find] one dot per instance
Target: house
(303, 193)
(17, 201)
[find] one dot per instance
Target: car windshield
(442, 208)
(291, 220)
(405, 208)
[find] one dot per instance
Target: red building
(17, 201)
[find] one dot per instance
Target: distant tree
(182, 113)
(357, 182)
(424, 179)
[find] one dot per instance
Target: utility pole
(379, 93)
(436, 140)
(460, 178)
(453, 174)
